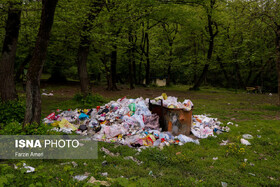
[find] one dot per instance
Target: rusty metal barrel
(175, 120)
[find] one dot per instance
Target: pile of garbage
(130, 122)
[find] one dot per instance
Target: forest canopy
(224, 43)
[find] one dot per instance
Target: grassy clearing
(187, 165)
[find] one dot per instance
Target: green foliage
(12, 111)
(90, 100)
(15, 128)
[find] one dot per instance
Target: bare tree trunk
(20, 70)
(169, 65)
(33, 95)
(238, 74)
(113, 73)
(7, 83)
(219, 60)
(83, 51)
(130, 65)
(148, 59)
(140, 71)
(134, 66)
(278, 60)
(250, 74)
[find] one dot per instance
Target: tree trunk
(113, 73)
(83, 51)
(140, 71)
(219, 60)
(33, 95)
(134, 65)
(210, 49)
(168, 80)
(250, 74)
(130, 65)
(20, 70)
(148, 59)
(7, 83)
(238, 74)
(278, 60)
(169, 65)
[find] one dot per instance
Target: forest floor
(187, 165)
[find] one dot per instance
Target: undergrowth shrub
(90, 100)
(12, 111)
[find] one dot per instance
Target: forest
(231, 44)
(90, 68)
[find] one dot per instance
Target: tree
(212, 30)
(84, 46)
(33, 95)
(7, 84)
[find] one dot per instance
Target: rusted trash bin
(175, 120)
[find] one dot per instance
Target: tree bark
(33, 95)
(278, 60)
(219, 60)
(130, 63)
(7, 83)
(113, 73)
(140, 71)
(83, 51)
(238, 75)
(148, 59)
(20, 70)
(168, 81)
(250, 74)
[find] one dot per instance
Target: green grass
(255, 114)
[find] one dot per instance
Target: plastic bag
(66, 124)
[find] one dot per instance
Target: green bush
(15, 128)
(12, 111)
(90, 100)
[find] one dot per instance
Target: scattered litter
(245, 159)
(151, 173)
(186, 139)
(236, 125)
(65, 163)
(133, 159)
(107, 152)
(245, 142)
(49, 94)
(251, 164)
(80, 177)
(215, 158)
(259, 136)
(29, 168)
(229, 123)
(224, 184)
(74, 164)
(105, 174)
(252, 174)
(92, 180)
(270, 94)
(104, 163)
(247, 136)
(224, 142)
